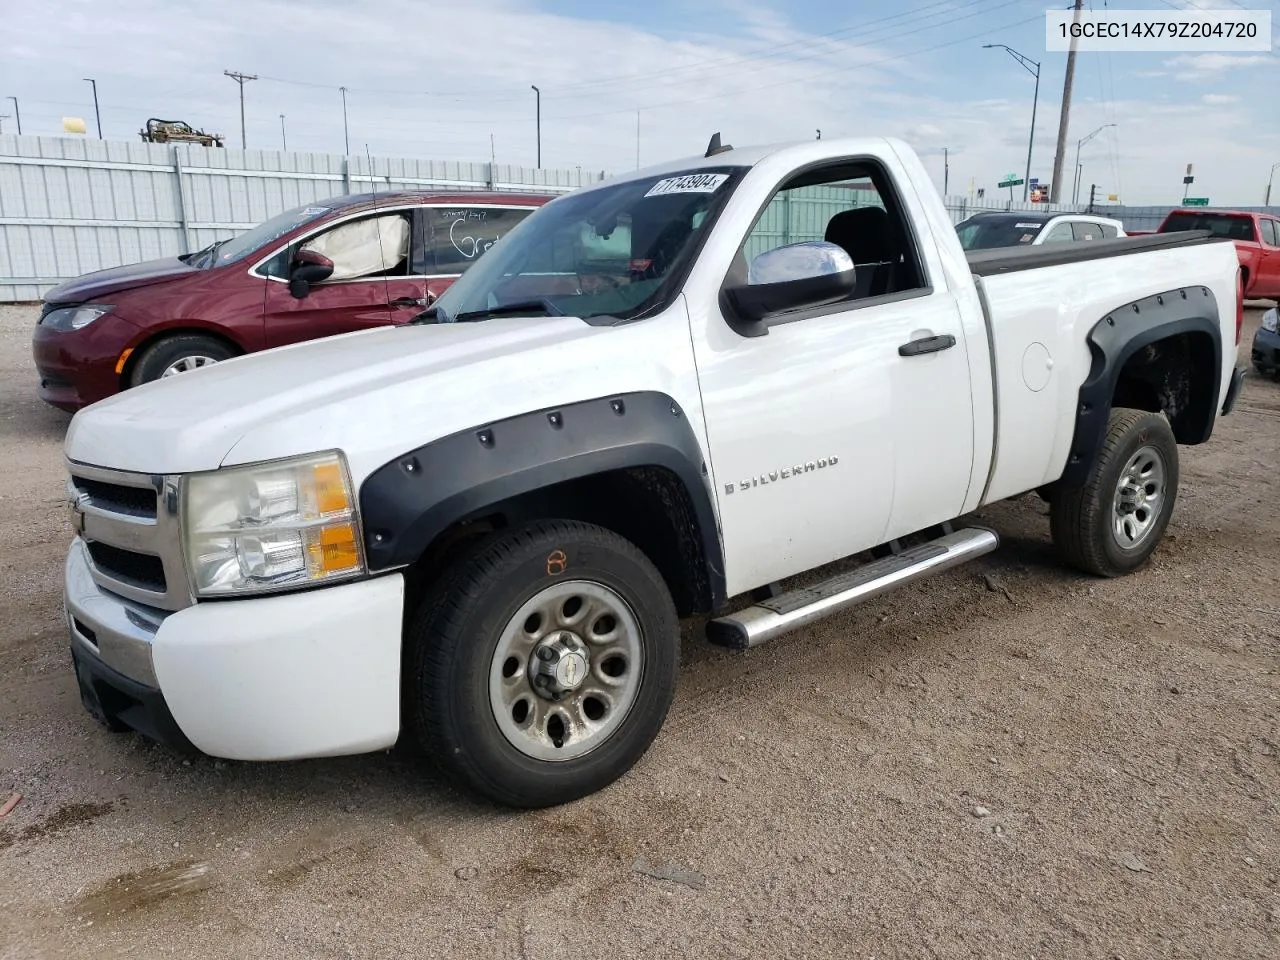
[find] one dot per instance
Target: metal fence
(69, 206)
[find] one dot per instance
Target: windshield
(1218, 224)
(246, 243)
(997, 232)
(608, 251)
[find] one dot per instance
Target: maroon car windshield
(241, 245)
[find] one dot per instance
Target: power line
(594, 89)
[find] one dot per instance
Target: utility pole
(1033, 68)
(637, 139)
(18, 116)
(96, 113)
(1064, 118)
(1265, 203)
(946, 172)
(1093, 192)
(284, 142)
(538, 95)
(240, 78)
(1080, 143)
(346, 140)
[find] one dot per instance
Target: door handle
(925, 345)
(408, 302)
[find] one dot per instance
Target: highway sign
(1010, 183)
(1196, 202)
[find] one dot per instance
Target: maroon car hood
(103, 283)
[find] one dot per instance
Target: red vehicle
(1257, 240)
(329, 267)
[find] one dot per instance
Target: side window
(277, 266)
(1109, 231)
(1087, 231)
(853, 205)
(455, 237)
(1271, 232)
(1062, 233)
(373, 246)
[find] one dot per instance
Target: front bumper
(1266, 351)
(307, 674)
(78, 367)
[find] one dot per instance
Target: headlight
(1269, 320)
(73, 318)
(271, 525)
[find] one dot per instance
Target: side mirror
(308, 267)
(806, 274)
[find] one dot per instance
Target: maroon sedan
(329, 267)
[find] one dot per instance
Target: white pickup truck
(657, 397)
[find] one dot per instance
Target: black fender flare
(408, 502)
(1114, 340)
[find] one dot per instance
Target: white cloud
(435, 80)
(1218, 99)
(1197, 66)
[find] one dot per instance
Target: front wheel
(178, 354)
(1112, 524)
(542, 668)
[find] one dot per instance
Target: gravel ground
(1008, 761)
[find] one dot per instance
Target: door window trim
(401, 208)
(926, 288)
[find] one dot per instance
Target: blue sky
(438, 79)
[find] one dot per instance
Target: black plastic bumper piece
(123, 704)
(1233, 391)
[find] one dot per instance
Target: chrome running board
(775, 616)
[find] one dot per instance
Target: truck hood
(103, 283)
(191, 422)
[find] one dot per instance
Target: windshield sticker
(690, 183)
(1027, 226)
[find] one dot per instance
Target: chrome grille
(129, 524)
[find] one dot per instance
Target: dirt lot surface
(1009, 761)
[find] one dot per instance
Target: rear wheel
(1111, 525)
(178, 354)
(542, 668)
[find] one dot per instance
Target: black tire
(455, 632)
(1082, 518)
(162, 354)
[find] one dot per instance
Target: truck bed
(1038, 326)
(985, 263)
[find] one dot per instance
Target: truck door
(845, 425)
(1268, 282)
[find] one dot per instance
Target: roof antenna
(715, 146)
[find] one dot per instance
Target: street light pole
(538, 95)
(284, 143)
(1265, 203)
(346, 140)
(946, 172)
(97, 115)
(1075, 193)
(1027, 64)
(16, 115)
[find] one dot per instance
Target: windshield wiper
(212, 251)
(540, 304)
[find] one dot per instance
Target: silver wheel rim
(577, 641)
(187, 363)
(1139, 499)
